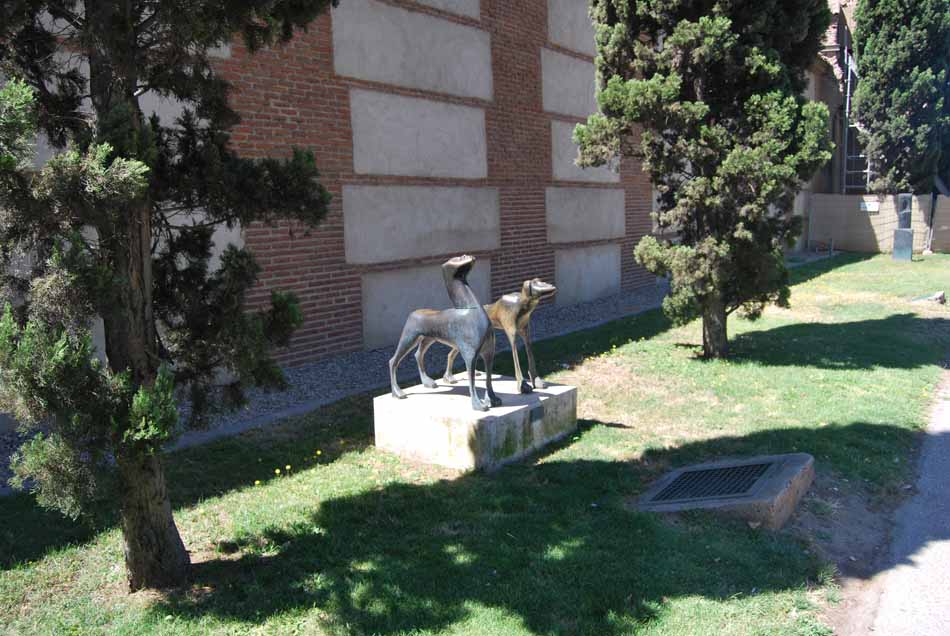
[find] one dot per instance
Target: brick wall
(291, 96)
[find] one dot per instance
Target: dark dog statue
(466, 328)
(512, 314)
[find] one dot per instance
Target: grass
(352, 541)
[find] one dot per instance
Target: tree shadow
(891, 342)
(27, 531)
(555, 547)
(803, 273)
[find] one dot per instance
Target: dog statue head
(458, 268)
(536, 289)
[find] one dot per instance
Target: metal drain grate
(730, 481)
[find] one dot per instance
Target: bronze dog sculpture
(466, 328)
(512, 314)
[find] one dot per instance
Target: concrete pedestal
(439, 426)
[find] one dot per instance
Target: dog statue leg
(409, 339)
(428, 382)
(488, 358)
(449, 363)
(477, 404)
(523, 386)
(532, 370)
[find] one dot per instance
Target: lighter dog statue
(466, 328)
(512, 314)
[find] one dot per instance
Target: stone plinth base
(439, 426)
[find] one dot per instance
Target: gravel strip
(326, 381)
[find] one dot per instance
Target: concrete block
(391, 223)
(586, 273)
(467, 8)
(382, 43)
(570, 26)
(439, 426)
(390, 296)
(771, 500)
(568, 84)
(564, 154)
(408, 136)
(584, 214)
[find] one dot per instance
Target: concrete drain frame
(764, 489)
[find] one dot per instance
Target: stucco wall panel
(570, 26)
(389, 297)
(408, 136)
(584, 214)
(568, 84)
(838, 218)
(382, 43)
(391, 223)
(941, 241)
(468, 8)
(564, 152)
(587, 273)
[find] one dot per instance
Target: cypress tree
(708, 95)
(902, 99)
(119, 225)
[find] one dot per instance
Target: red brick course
(290, 96)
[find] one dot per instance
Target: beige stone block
(383, 43)
(389, 297)
(568, 84)
(413, 137)
(391, 223)
(468, 8)
(583, 274)
(570, 26)
(584, 214)
(439, 426)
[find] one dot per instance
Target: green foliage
(120, 223)
(903, 96)
(17, 125)
(708, 95)
(154, 413)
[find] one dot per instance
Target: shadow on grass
(799, 274)
(27, 532)
(554, 547)
(891, 342)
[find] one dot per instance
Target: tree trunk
(715, 336)
(155, 556)
(154, 553)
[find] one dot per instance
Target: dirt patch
(845, 525)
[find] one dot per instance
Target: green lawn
(353, 541)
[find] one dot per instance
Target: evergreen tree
(708, 94)
(119, 225)
(903, 96)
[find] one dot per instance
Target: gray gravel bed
(331, 379)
